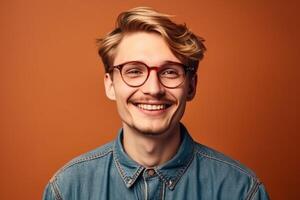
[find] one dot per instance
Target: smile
(152, 107)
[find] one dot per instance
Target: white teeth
(151, 107)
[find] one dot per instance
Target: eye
(171, 72)
(133, 70)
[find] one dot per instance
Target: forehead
(149, 48)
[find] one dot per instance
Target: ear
(192, 87)
(109, 87)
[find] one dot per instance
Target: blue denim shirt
(195, 172)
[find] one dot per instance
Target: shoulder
(79, 173)
(226, 172)
(214, 157)
(85, 162)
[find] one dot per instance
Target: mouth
(152, 107)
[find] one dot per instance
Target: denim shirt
(195, 172)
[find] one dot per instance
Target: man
(151, 65)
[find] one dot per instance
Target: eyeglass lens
(136, 73)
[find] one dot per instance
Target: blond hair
(185, 45)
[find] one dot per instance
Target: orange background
(53, 106)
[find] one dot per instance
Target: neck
(151, 150)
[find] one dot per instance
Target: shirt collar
(169, 172)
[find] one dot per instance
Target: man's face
(151, 108)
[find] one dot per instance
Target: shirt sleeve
(260, 194)
(48, 193)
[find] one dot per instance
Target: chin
(152, 129)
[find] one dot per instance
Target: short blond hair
(185, 45)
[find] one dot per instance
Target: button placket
(153, 184)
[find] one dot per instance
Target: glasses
(136, 73)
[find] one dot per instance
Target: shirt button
(170, 183)
(150, 172)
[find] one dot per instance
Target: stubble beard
(151, 133)
(166, 131)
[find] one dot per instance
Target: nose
(152, 86)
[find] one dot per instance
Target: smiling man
(151, 64)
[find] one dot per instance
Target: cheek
(181, 95)
(123, 93)
(121, 102)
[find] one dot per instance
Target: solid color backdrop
(53, 105)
